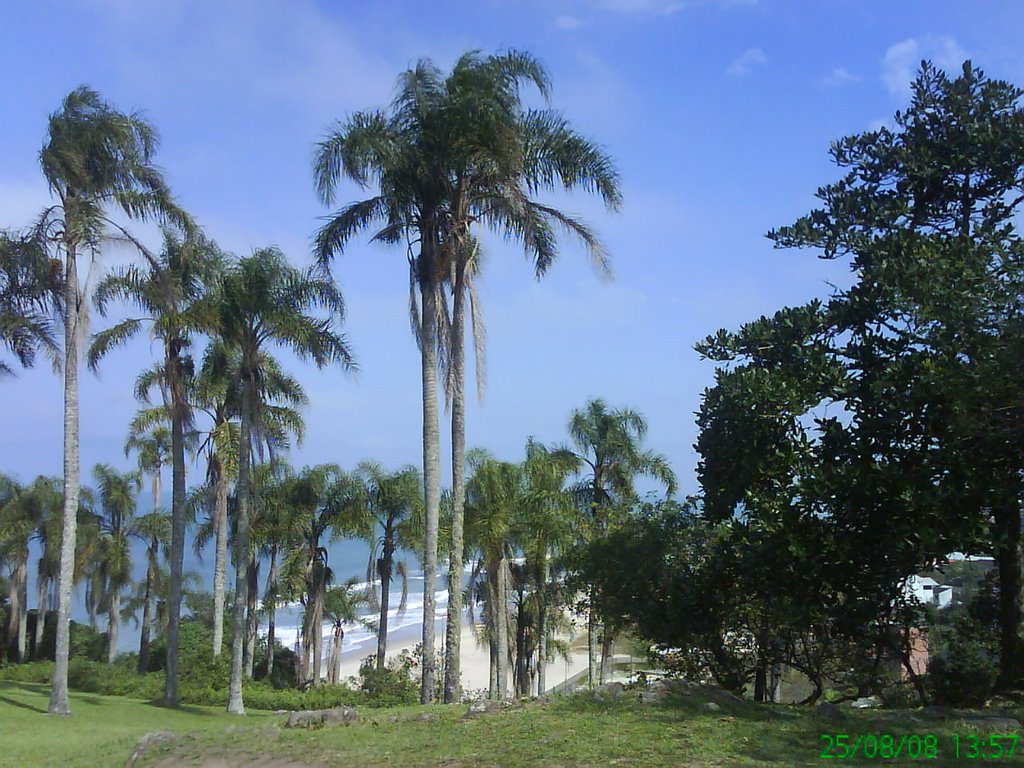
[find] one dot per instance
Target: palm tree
(117, 492)
(215, 394)
(171, 292)
(27, 513)
(494, 494)
(544, 529)
(341, 606)
(47, 536)
(453, 152)
(94, 158)
(263, 300)
(607, 443)
(503, 155)
(154, 529)
(153, 448)
(387, 499)
(401, 152)
(31, 298)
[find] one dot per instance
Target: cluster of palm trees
(452, 154)
(107, 526)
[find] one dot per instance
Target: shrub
(963, 672)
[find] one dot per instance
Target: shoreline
(474, 658)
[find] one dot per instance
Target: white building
(928, 590)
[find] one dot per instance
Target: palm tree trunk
(371, 580)
(453, 625)
(113, 623)
(178, 406)
(501, 619)
(16, 614)
(385, 592)
(431, 454)
(304, 644)
(251, 623)
(591, 642)
(235, 704)
(271, 609)
(318, 635)
(147, 609)
(220, 565)
(522, 666)
(59, 694)
(404, 573)
(542, 626)
(339, 639)
(42, 598)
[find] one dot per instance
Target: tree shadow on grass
(22, 705)
(189, 709)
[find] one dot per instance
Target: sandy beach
(475, 657)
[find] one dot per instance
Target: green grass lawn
(101, 731)
(569, 732)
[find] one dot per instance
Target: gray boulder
(868, 702)
(483, 707)
(147, 742)
(321, 717)
(610, 690)
(651, 697)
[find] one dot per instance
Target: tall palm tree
(213, 396)
(27, 513)
(117, 491)
(276, 421)
(607, 445)
(153, 448)
(544, 529)
(341, 606)
(503, 155)
(47, 537)
(386, 500)
(265, 301)
(170, 290)
(494, 495)
(154, 530)
(401, 153)
(94, 158)
(454, 151)
(31, 298)
(16, 526)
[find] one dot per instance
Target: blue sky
(718, 112)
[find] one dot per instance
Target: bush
(393, 685)
(963, 672)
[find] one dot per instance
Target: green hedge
(198, 686)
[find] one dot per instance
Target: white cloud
(664, 7)
(901, 60)
(838, 77)
(651, 7)
(745, 62)
(569, 22)
(293, 54)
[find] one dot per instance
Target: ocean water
(359, 641)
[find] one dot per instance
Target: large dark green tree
(927, 214)
(894, 410)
